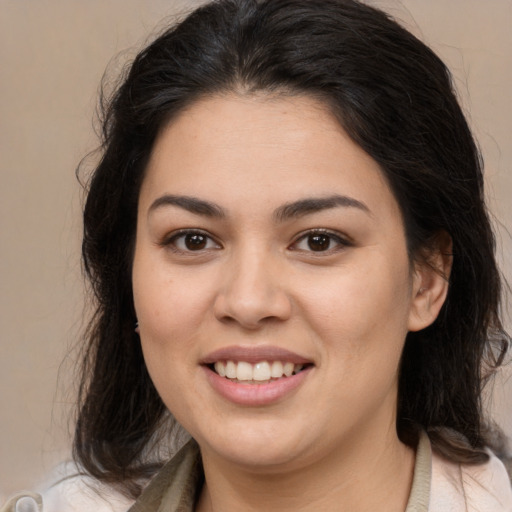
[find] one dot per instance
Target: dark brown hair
(394, 97)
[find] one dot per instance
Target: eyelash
(171, 241)
(340, 241)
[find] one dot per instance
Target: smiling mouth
(262, 372)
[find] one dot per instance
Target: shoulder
(69, 491)
(473, 488)
(80, 493)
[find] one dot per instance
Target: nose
(252, 292)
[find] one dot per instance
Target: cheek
(171, 309)
(361, 301)
(359, 323)
(169, 314)
(169, 305)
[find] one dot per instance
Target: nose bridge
(253, 288)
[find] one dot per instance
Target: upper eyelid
(323, 231)
(168, 238)
(341, 237)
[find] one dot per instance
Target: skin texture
(330, 443)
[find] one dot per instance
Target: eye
(191, 241)
(320, 241)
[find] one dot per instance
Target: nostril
(253, 312)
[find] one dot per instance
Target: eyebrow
(191, 204)
(315, 204)
(286, 212)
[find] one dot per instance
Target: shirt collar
(177, 485)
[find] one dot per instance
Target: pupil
(195, 242)
(318, 242)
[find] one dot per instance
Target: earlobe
(430, 282)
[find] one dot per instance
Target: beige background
(52, 57)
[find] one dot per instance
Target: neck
(366, 473)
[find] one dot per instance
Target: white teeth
(244, 371)
(277, 369)
(260, 372)
(220, 368)
(288, 369)
(231, 370)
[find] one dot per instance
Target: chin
(257, 447)
(259, 456)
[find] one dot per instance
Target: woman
(291, 255)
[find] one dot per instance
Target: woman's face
(270, 247)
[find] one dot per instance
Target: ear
(430, 281)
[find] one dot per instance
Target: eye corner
(190, 242)
(320, 242)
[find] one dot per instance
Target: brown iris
(319, 242)
(195, 241)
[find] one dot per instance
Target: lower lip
(255, 394)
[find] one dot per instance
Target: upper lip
(254, 354)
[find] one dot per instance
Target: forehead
(261, 149)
